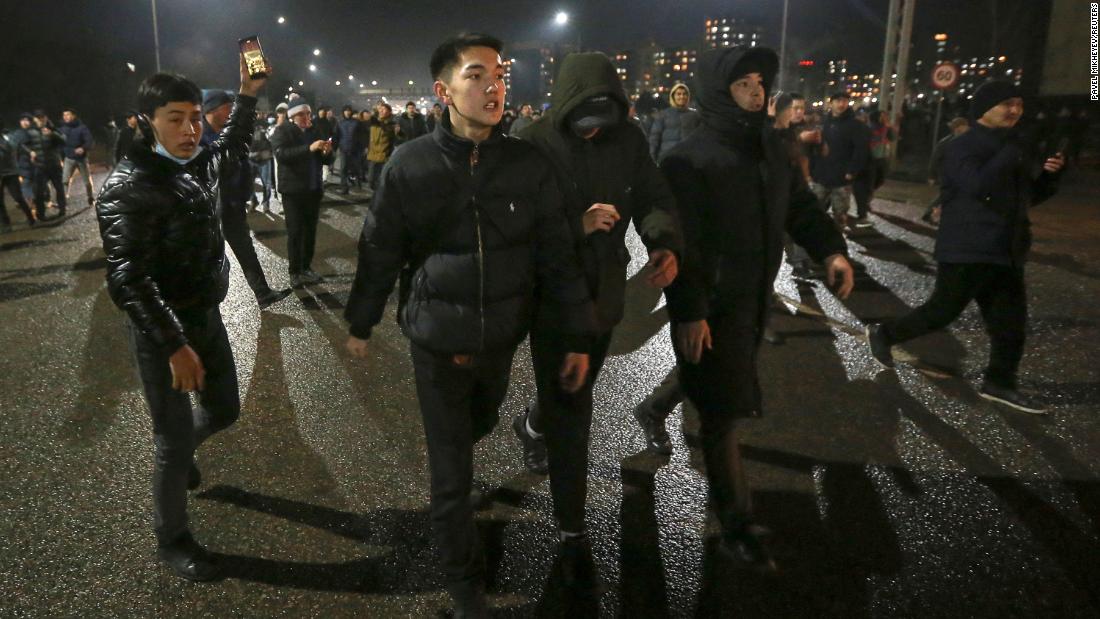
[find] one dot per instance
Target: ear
(441, 92)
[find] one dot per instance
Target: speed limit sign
(945, 75)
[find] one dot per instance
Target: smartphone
(254, 59)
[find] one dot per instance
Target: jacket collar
(456, 146)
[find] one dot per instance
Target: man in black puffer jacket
(167, 269)
(609, 181)
(473, 222)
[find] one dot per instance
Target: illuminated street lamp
(374, 82)
(351, 77)
(411, 82)
(313, 67)
(301, 83)
(562, 18)
(316, 52)
(337, 82)
(281, 20)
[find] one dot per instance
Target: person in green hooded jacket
(609, 180)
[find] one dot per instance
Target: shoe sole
(1013, 405)
(880, 362)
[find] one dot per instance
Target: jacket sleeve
(233, 141)
(557, 266)
(287, 150)
(86, 139)
(808, 224)
(124, 225)
(654, 203)
(384, 248)
(688, 296)
(655, 132)
(964, 169)
(1044, 186)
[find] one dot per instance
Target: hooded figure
(673, 123)
(604, 170)
(738, 191)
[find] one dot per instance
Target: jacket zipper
(474, 156)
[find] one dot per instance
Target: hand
(838, 265)
(79, 150)
(810, 137)
(574, 372)
(34, 156)
(692, 338)
(187, 371)
(356, 347)
(250, 86)
(462, 361)
(1054, 163)
(599, 217)
(663, 268)
(318, 146)
(849, 177)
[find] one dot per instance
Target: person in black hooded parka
(738, 191)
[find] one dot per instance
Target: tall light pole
(783, 49)
(156, 35)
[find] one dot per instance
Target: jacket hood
(584, 75)
(675, 87)
(718, 68)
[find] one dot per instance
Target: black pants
(1002, 299)
(460, 405)
(862, 189)
(301, 210)
(43, 178)
(178, 429)
(11, 185)
(353, 165)
(239, 236)
(374, 171)
(565, 420)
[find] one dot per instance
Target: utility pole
(783, 49)
(895, 61)
(156, 35)
(885, 92)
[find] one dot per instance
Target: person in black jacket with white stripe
(167, 269)
(472, 222)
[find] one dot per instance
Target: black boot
(271, 297)
(534, 449)
(188, 559)
(578, 569)
(743, 544)
(652, 422)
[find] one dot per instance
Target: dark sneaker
(188, 559)
(534, 449)
(745, 548)
(880, 347)
(653, 426)
(297, 280)
(862, 222)
(311, 277)
(578, 569)
(1012, 398)
(271, 297)
(194, 477)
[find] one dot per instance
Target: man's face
(783, 119)
(526, 111)
(838, 105)
(218, 116)
(68, 116)
(410, 109)
(384, 112)
(178, 126)
(1004, 115)
(475, 87)
(25, 123)
(680, 98)
(131, 122)
(748, 92)
(437, 109)
(798, 111)
(41, 121)
(302, 119)
(347, 113)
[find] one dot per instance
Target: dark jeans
(43, 178)
(565, 420)
(459, 406)
(263, 170)
(1002, 299)
(375, 173)
(177, 428)
(301, 210)
(11, 185)
(353, 166)
(862, 189)
(239, 236)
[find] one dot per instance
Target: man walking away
(78, 141)
(991, 179)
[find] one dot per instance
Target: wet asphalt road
(891, 494)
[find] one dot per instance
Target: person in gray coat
(673, 123)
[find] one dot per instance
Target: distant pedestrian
(9, 182)
(78, 143)
(674, 123)
(383, 138)
(844, 154)
(991, 178)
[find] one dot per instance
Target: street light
(316, 52)
(351, 77)
(562, 18)
(313, 67)
(362, 86)
(281, 20)
(301, 83)
(337, 82)
(411, 82)
(374, 82)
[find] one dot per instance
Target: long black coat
(473, 241)
(299, 169)
(990, 180)
(161, 232)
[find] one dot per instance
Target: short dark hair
(131, 114)
(447, 54)
(387, 106)
(69, 109)
(796, 96)
(410, 103)
(160, 89)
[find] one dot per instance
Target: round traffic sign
(945, 75)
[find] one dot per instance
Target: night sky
(73, 41)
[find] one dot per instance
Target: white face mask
(163, 152)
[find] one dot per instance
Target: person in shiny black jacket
(738, 190)
(167, 269)
(472, 221)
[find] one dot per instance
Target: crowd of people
(498, 225)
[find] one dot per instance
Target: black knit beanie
(989, 95)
